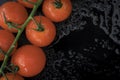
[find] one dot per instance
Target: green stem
(1, 51)
(4, 76)
(58, 4)
(39, 25)
(18, 35)
(10, 24)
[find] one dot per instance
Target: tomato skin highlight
(30, 59)
(57, 14)
(27, 4)
(12, 76)
(6, 40)
(41, 38)
(14, 12)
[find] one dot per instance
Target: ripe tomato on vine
(57, 10)
(30, 59)
(12, 13)
(27, 3)
(11, 76)
(40, 31)
(6, 40)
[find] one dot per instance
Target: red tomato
(14, 12)
(38, 37)
(6, 39)
(12, 76)
(30, 59)
(57, 10)
(27, 4)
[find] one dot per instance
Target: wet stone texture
(87, 45)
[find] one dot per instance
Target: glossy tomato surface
(43, 36)
(27, 4)
(13, 12)
(30, 59)
(54, 13)
(12, 76)
(6, 39)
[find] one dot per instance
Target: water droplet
(117, 51)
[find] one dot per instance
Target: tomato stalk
(58, 4)
(39, 25)
(1, 51)
(10, 24)
(4, 76)
(38, 3)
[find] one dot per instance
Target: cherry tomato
(30, 59)
(6, 39)
(43, 36)
(12, 76)
(28, 3)
(13, 12)
(57, 10)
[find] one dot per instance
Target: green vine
(33, 3)
(20, 30)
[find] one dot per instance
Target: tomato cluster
(30, 59)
